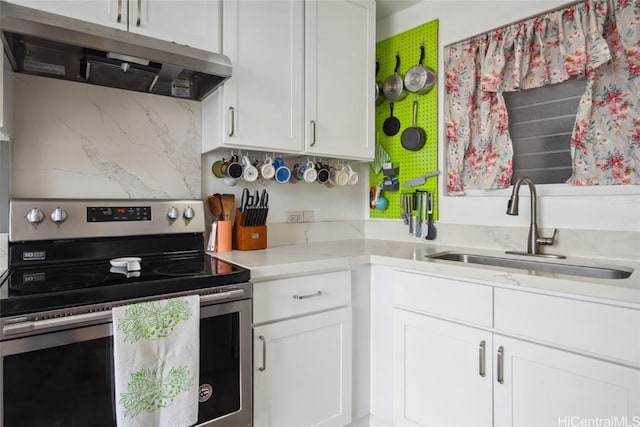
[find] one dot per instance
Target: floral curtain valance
(597, 39)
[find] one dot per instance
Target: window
(540, 124)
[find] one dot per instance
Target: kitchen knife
(419, 180)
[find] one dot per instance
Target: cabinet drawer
(276, 299)
(597, 328)
(469, 302)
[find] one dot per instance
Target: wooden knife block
(248, 238)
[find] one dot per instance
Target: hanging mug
(322, 172)
(250, 172)
(310, 174)
(353, 175)
(267, 171)
(283, 173)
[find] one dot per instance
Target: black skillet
(391, 125)
(413, 138)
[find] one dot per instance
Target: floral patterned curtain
(598, 39)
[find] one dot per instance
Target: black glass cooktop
(29, 289)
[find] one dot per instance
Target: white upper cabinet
(189, 22)
(110, 13)
(302, 79)
(339, 63)
(261, 106)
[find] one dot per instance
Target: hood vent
(49, 45)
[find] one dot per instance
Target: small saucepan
(420, 79)
(413, 138)
(393, 87)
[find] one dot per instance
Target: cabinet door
(195, 23)
(544, 387)
(442, 373)
(339, 63)
(302, 371)
(262, 104)
(111, 13)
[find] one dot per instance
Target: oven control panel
(118, 213)
(50, 219)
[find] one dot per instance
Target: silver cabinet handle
(317, 294)
(264, 354)
(139, 12)
(313, 133)
(232, 116)
(481, 359)
(119, 11)
(501, 365)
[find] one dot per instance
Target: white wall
(604, 208)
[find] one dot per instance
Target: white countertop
(303, 259)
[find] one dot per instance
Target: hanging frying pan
(379, 95)
(391, 125)
(420, 79)
(393, 87)
(413, 138)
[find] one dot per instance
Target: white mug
(338, 176)
(353, 176)
(267, 171)
(250, 172)
(310, 173)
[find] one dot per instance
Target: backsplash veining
(85, 141)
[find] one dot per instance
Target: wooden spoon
(228, 203)
(215, 206)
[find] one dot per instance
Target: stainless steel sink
(597, 272)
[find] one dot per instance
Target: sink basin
(596, 272)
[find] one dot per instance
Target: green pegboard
(411, 163)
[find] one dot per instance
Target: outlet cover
(308, 216)
(295, 216)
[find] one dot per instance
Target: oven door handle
(21, 327)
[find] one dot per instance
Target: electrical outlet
(295, 216)
(308, 216)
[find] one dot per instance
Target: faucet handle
(547, 240)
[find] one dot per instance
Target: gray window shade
(540, 123)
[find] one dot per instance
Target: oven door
(65, 378)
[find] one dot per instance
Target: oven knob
(189, 213)
(35, 216)
(58, 215)
(173, 213)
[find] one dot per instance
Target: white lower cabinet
(447, 372)
(442, 373)
(302, 351)
(542, 386)
(302, 371)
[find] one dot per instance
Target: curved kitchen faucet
(535, 241)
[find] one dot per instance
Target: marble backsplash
(74, 140)
(569, 242)
(617, 245)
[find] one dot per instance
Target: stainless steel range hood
(49, 45)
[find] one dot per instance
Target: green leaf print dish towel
(156, 352)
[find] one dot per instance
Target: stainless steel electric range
(70, 262)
